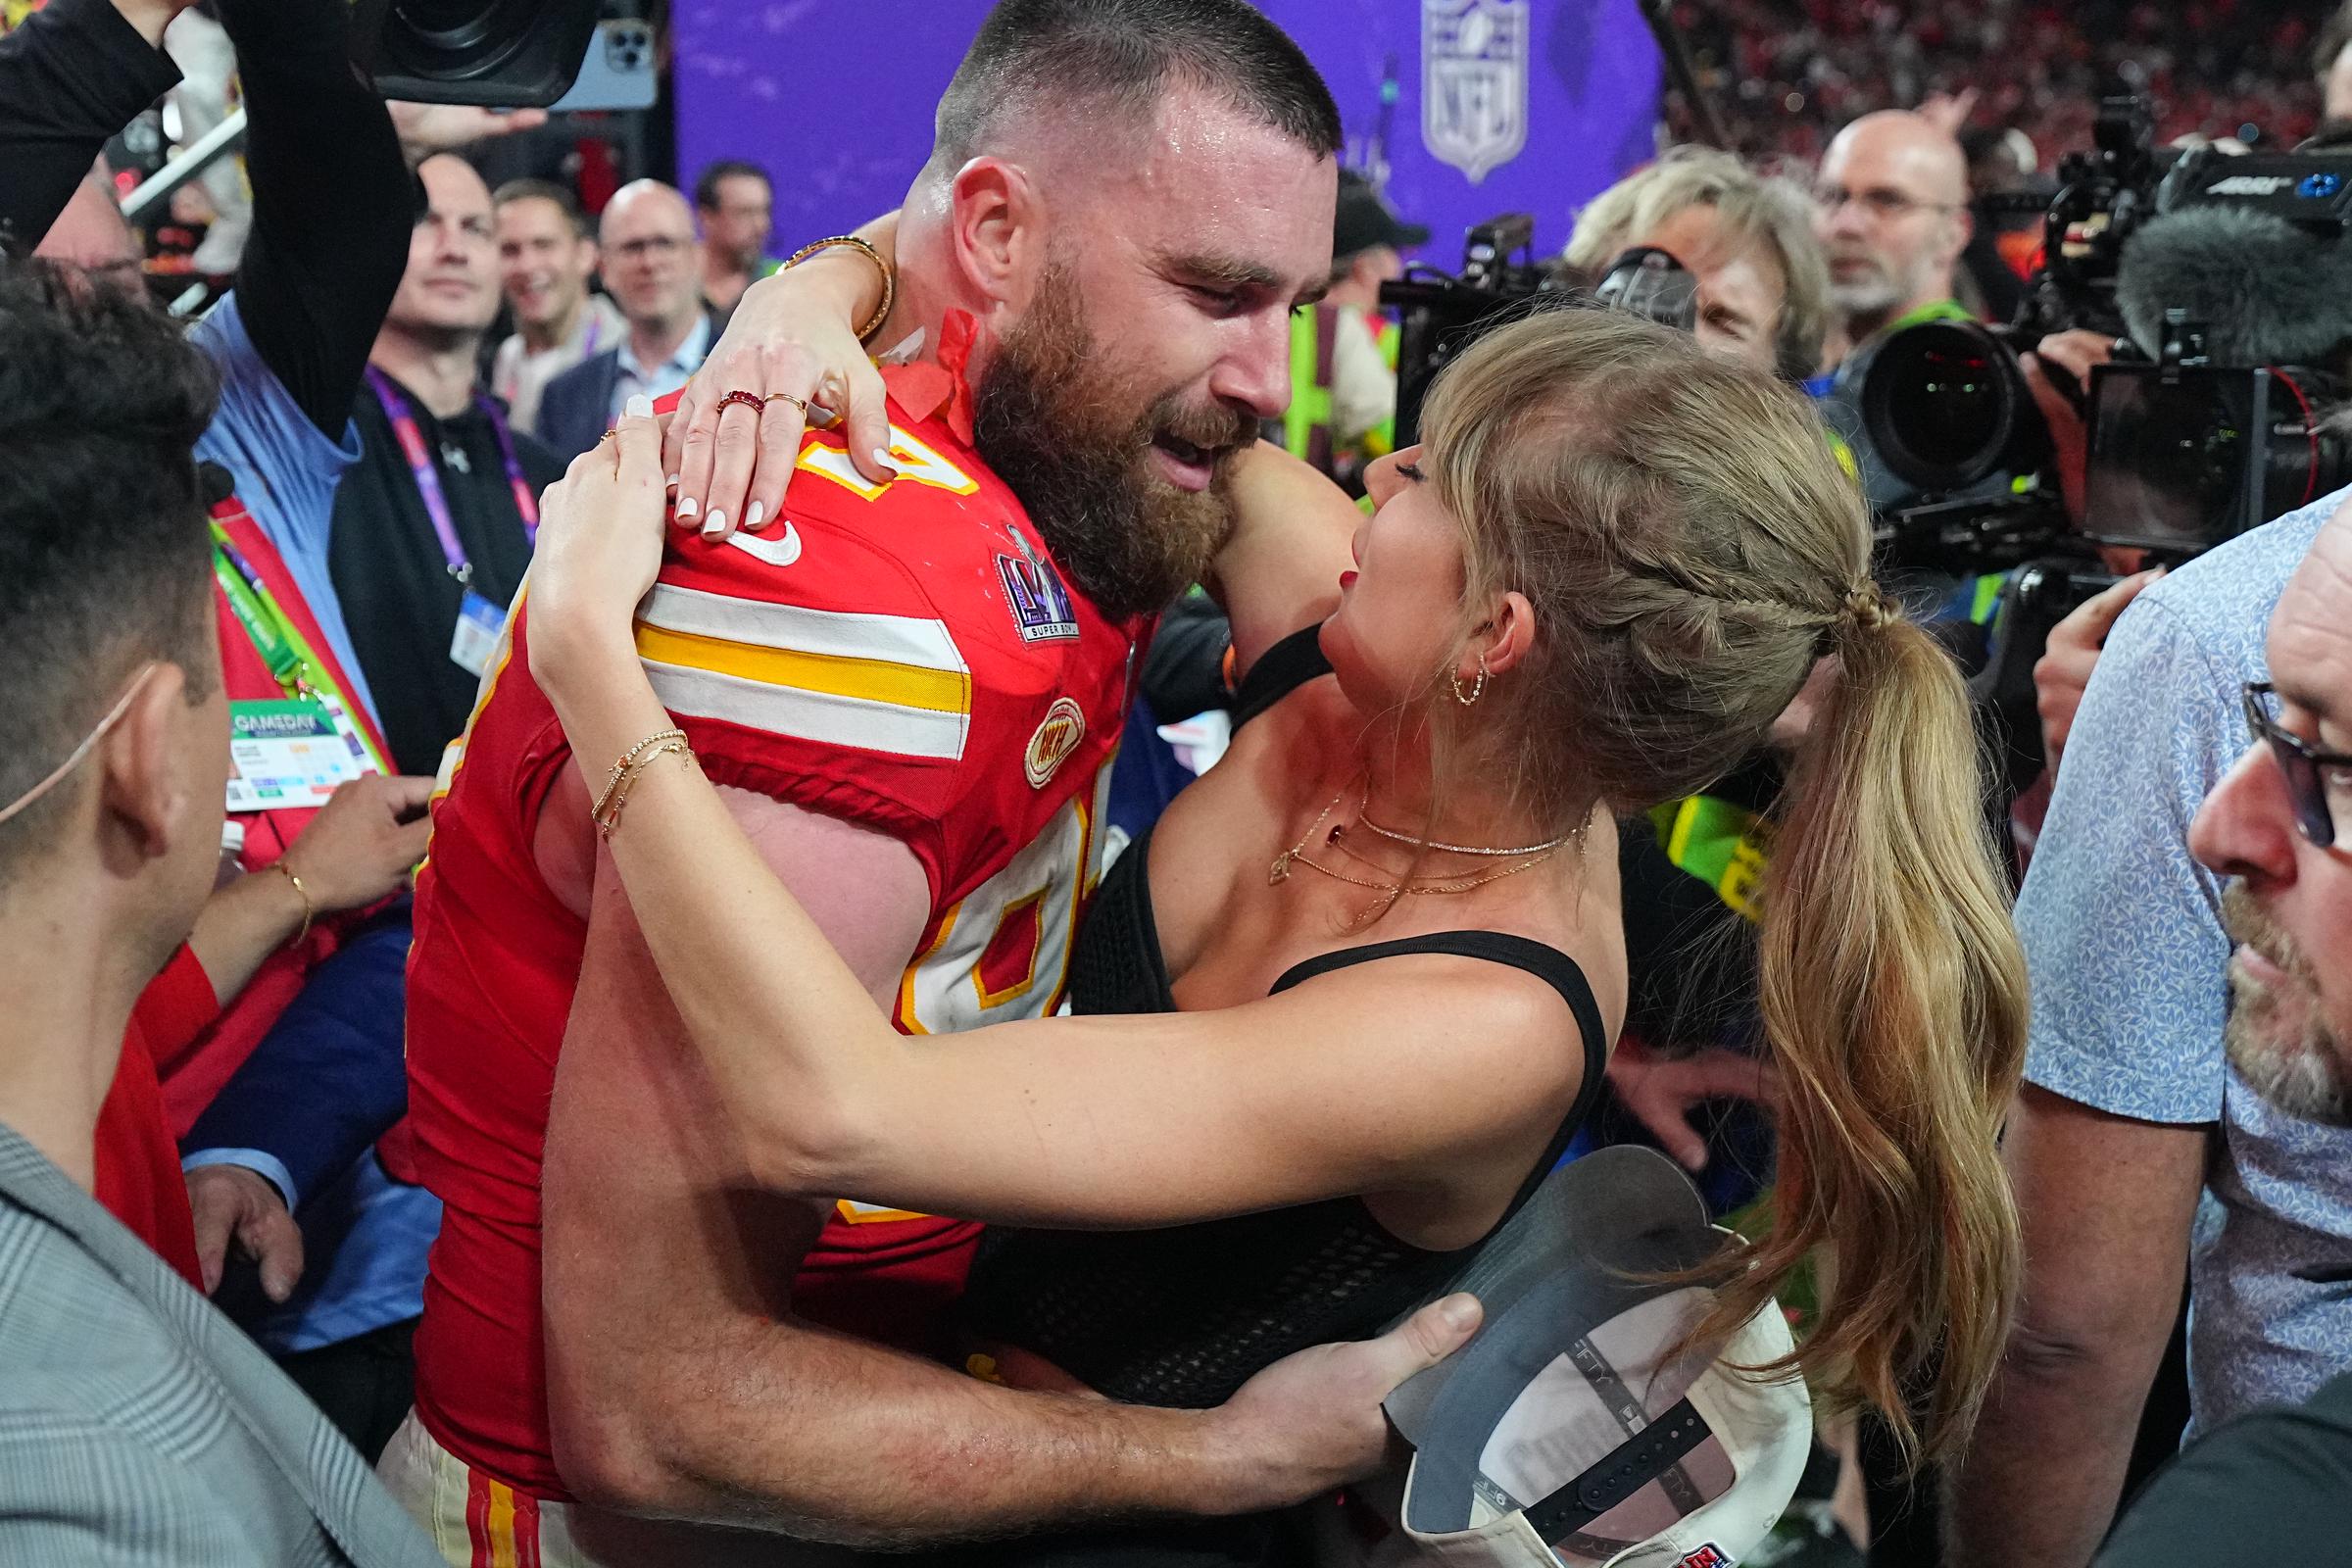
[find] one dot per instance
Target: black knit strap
(1650, 1454)
(1279, 671)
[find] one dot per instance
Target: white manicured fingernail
(688, 507)
(639, 406)
(714, 525)
(671, 481)
(882, 456)
(757, 516)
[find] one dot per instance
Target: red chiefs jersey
(903, 656)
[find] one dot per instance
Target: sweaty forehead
(1204, 180)
(2311, 632)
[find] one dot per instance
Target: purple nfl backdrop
(1549, 101)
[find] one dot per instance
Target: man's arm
(73, 74)
(2107, 1203)
(1293, 536)
(333, 202)
(679, 1386)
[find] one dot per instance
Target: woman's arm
(1320, 1091)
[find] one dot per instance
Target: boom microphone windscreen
(2269, 293)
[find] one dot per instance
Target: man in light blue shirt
(2136, 1147)
(651, 266)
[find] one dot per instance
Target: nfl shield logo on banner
(1474, 57)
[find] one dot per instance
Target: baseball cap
(1364, 220)
(1569, 1431)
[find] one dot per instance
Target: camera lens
(458, 37)
(1946, 406)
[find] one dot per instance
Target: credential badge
(1473, 56)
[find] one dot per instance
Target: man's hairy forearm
(2045, 1469)
(819, 1436)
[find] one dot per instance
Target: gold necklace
(1364, 819)
(1280, 871)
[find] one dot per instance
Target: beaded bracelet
(606, 812)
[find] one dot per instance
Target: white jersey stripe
(920, 641)
(819, 716)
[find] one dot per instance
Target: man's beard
(2281, 1045)
(1045, 418)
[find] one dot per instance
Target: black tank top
(1186, 1314)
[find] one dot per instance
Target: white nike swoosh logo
(781, 551)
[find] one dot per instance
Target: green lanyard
(1721, 844)
(296, 671)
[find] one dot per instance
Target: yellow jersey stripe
(870, 680)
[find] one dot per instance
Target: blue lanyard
(428, 477)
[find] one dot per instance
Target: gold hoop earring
(1478, 687)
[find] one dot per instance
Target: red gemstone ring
(749, 400)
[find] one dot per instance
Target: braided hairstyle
(1691, 549)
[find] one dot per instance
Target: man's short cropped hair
(2332, 41)
(705, 184)
(1115, 59)
(103, 540)
(546, 190)
(1752, 211)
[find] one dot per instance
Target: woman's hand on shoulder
(599, 548)
(792, 342)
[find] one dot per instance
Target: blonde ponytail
(1894, 1002)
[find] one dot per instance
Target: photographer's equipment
(1706, 127)
(2225, 432)
(1441, 315)
(1652, 284)
(518, 54)
(2186, 453)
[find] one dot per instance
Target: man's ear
(997, 230)
(147, 767)
(1512, 635)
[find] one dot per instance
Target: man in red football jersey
(909, 688)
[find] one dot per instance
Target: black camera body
(2183, 453)
(1440, 315)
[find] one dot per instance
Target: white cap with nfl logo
(1567, 1432)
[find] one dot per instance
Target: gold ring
(799, 403)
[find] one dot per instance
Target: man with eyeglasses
(2270, 1486)
(1893, 214)
(653, 272)
(2160, 1129)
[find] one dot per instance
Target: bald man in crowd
(1893, 214)
(654, 274)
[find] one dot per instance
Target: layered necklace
(1526, 857)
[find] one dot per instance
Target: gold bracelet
(889, 284)
(596, 812)
(608, 810)
(280, 867)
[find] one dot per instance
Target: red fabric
(194, 1074)
(1007, 827)
(139, 1178)
(182, 1045)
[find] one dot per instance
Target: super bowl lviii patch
(1040, 605)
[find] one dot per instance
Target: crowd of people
(668, 687)
(1788, 74)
